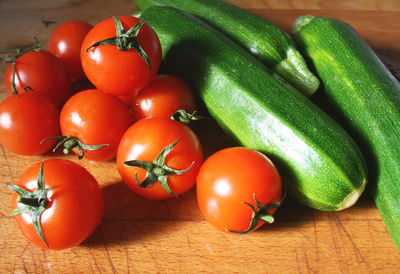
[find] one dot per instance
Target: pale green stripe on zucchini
(366, 99)
(319, 161)
(261, 38)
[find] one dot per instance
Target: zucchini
(322, 165)
(366, 99)
(264, 40)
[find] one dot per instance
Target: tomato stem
(47, 22)
(12, 59)
(261, 213)
(157, 171)
(125, 40)
(184, 117)
(70, 143)
(33, 202)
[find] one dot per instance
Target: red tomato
(229, 179)
(74, 204)
(163, 97)
(25, 120)
(95, 118)
(43, 72)
(126, 99)
(115, 71)
(144, 140)
(65, 43)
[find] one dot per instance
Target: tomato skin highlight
(43, 72)
(75, 207)
(65, 43)
(228, 179)
(25, 120)
(144, 140)
(120, 72)
(96, 118)
(162, 97)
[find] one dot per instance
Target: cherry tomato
(65, 43)
(25, 120)
(230, 181)
(145, 140)
(95, 118)
(120, 72)
(73, 204)
(126, 99)
(163, 97)
(41, 72)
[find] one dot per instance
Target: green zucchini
(366, 99)
(264, 40)
(321, 164)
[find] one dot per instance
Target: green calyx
(185, 117)
(125, 40)
(70, 143)
(157, 171)
(261, 213)
(47, 22)
(11, 58)
(33, 202)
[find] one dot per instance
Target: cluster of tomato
(135, 115)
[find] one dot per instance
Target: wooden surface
(139, 235)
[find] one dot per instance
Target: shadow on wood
(129, 217)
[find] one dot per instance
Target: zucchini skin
(321, 164)
(264, 40)
(366, 99)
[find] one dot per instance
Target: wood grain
(139, 235)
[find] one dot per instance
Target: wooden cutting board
(139, 235)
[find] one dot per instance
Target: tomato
(25, 120)
(163, 97)
(126, 99)
(73, 204)
(65, 43)
(145, 140)
(230, 180)
(42, 72)
(95, 118)
(120, 72)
